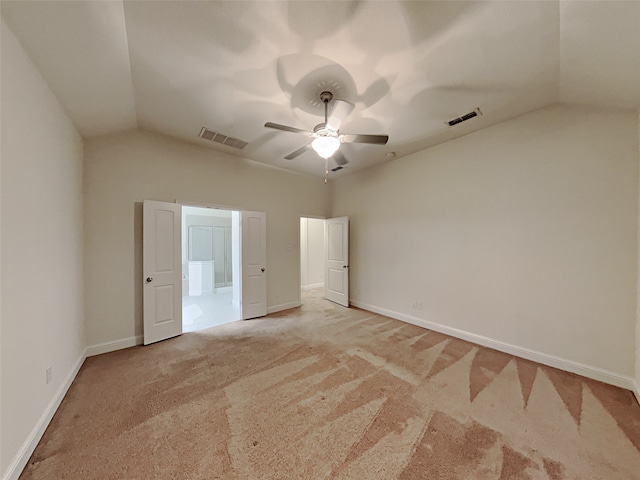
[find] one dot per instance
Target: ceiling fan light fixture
(325, 146)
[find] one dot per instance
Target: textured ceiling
(176, 66)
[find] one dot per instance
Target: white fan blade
(286, 128)
(300, 151)
(338, 157)
(341, 110)
(374, 139)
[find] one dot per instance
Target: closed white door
(336, 279)
(254, 264)
(162, 270)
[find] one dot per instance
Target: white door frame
(215, 206)
(300, 217)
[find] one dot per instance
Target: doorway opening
(312, 257)
(168, 268)
(210, 255)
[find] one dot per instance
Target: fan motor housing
(326, 96)
(322, 131)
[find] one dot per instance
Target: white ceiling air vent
(464, 118)
(220, 138)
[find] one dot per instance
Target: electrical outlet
(48, 373)
(419, 306)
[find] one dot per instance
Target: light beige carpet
(328, 392)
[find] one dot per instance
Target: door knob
(262, 269)
(149, 279)
(345, 266)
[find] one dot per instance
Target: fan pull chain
(326, 160)
(326, 169)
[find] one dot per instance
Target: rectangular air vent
(220, 138)
(464, 118)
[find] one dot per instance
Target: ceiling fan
(326, 136)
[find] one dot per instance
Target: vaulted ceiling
(176, 66)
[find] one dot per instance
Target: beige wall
(42, 318)
(523, 233)
(123, 170)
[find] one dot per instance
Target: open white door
(162, 270)
(336, 279)
(254, 264)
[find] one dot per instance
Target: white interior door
(336, 279)
(254, 264)
(162, 270)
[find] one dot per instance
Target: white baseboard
(283, 306)
(107, 347)
(19, 462)
(311, 287)
(17, 465)
(539, 357)
(636, 390)
(22, 457)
